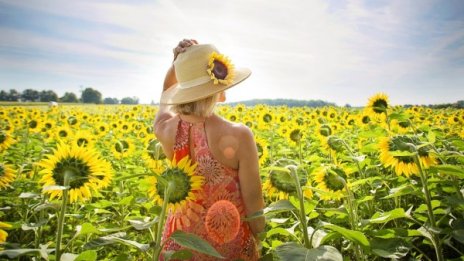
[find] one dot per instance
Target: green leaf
(382, 218)
(183, 254)
(68, 257)
(364, 181)
(142, 225)
(115, 238)
(279, 206)
(126, 201)
(88, 228)
(449, 170)
(13, 253)
(89, 255)
(400, 191)
(395, 233)
(394, 248)
(28, 195)
(352, 235)
(194, 242)
(293, 251)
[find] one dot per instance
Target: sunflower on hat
(220, 68)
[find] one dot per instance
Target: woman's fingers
(182, 46)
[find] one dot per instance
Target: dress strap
(182, 143)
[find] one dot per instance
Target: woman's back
(223, 137)
(221, 182)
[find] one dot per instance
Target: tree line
(88, 95)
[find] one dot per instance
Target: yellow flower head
(186, 184)
(81, 166)
(404, 164)
(220, 69)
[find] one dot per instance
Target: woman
(225, 152)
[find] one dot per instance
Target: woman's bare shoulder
(238, 130)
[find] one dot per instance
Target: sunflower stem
(302, 214)
(159, 231)
(428, 200)
(64, 202)
(353, 216)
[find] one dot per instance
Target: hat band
(194, 82)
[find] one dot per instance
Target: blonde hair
(202, 108)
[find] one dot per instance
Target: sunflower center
(33, 124)
(267, 117)
(72, 120)
(219, 70)
(182, 185)
(77, 168)
(366, 119)
(121, 146)
(63, 133)
(2, 137)
(260, 150)
(48, 125)
(295, 135)
(380, 106)
(82, 142)
(325, 130)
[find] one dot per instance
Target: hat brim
(176, 95)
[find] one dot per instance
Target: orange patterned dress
(221, 183)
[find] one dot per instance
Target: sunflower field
(380, 182)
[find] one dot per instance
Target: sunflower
(331, 180)
(83, 138)
(332, 144)
(83, 167)
(220, 69)
(295, 134)
(378, 105)
(324, 131)
(5, 140)
(186, 184)
(281, 184)
(63, 133)
(101, 129)
(7, 175)
(153, 154)
(263, 151)
(3, 233)
(122, 148)
(404, 164)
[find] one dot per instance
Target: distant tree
(90, 95)
(347, 105)
(4, 96)
(130, 100)
(48, 96)
(460, 104)
(30, 95)
(109, 100)
(69, 97)
(14, 95)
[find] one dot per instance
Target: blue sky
(338, 51)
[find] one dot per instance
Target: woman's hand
(182, 46)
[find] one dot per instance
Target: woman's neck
(193, 118)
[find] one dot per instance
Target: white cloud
(296, 49)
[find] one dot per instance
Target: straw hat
(202, 71)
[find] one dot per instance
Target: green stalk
(159, 231)
(60, 224)
(302, 214)
(353, 216)
(428, 201)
